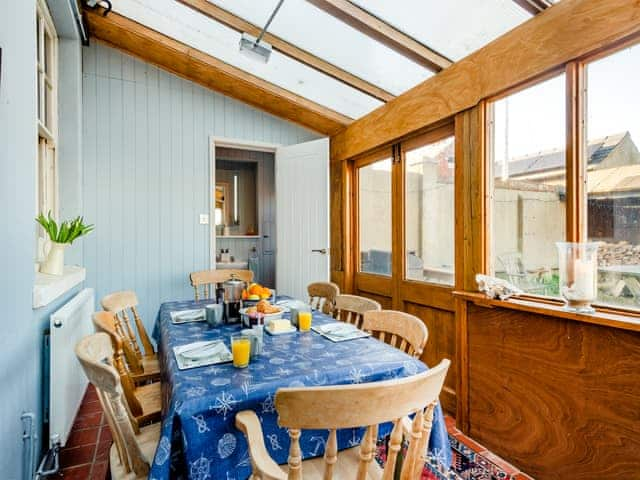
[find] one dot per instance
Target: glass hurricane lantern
(578, 271)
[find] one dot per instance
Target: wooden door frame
(240, 144)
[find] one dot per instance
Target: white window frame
(47, 119)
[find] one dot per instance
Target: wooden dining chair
(322, 296)
(143, 369)
(350, 308)
(399, 329)
(132, 452)
(205, 278)
(144, 401)
(119, 303)
(350, 406)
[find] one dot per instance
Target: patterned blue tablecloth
(199, 439)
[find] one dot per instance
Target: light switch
(204, 219)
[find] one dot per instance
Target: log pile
(620, 253)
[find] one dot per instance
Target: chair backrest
(119, 303)
(322, 296)
(204, 278)
(364, 405)
(105, 322)
(399, 329)
(349, 308)
(95, 353)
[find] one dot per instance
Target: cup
(240, 349)
(304, 320)
(214, 314)
(255, 335)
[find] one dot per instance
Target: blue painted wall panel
(146, 172)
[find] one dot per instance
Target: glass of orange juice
(240, 349)
(304, 320)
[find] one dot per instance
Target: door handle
(322, 251)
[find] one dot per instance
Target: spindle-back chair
(350, 406)
(399, 329)
(207, 278)
(350, 308)
(322, 296)
(131, 454)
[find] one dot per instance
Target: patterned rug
(466, 464)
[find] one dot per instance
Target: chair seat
(343, 469)
(150, 398)
(147, 440)
(151, 367)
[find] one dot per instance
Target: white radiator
(67, 380)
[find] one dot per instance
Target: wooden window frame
(575, 158)
(377, 155)
(429, 137)
(47, 195)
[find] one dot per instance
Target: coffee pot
(232, 298)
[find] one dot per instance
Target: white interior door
(302, 216)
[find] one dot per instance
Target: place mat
(340, 331)
(188, 316)
(200, 354)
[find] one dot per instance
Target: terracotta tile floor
(86, 454)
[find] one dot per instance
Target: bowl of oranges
(256, 292)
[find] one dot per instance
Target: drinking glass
(240, 349)
(304, 320)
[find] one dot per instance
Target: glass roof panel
(453, 28)
(306, 26)
(194, 29)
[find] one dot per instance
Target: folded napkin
(184, 316)
(198, 354)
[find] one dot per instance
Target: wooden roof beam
(534, 7)
(197, 66)
(240, 25)
(384, 33)
(570, 30)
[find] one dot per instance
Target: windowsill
(604, 316)
(47, 287)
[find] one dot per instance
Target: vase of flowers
(61, 236)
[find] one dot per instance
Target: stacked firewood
(620, 253)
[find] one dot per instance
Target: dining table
(199, 439)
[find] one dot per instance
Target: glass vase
(578, 270)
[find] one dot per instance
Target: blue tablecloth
(199, 439)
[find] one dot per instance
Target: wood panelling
(378, 284)
(441, 344)
(471, 197)
(336, 179)
(146, 173)
(192, 64)
(240, 25)
(569, 30)
(605, 316)
(557, 398)
(436, 296)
